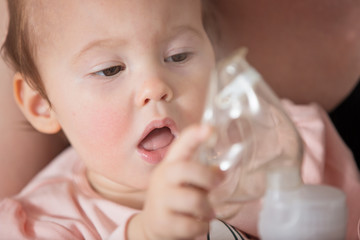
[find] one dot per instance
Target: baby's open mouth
(158, 138)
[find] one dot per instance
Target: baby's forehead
(40, 15)
(50, 13)
(48, 18)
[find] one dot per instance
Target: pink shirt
(60, 204)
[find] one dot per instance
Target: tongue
(157, 139)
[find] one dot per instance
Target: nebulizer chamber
(258, 147)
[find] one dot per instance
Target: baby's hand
(177, 205)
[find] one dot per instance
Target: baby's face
(124, 78)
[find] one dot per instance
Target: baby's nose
(154, 89)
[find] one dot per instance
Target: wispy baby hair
(19, 48)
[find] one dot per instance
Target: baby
(125, 81)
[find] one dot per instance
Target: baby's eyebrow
(186, 30)
(98, 43)
(115, 42)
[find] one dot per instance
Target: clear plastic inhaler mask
(254, 141)
(252, 134)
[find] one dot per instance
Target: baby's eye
(111, 71)
(180, 57)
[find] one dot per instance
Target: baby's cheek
(102, 128)
(109, 124)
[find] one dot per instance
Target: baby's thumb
(187, 143)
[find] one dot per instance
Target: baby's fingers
(194, 174)
(192, 203)
(188, 227)
(185, 146)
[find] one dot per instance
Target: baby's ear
(34, 107)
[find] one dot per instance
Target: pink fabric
(60, 204)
